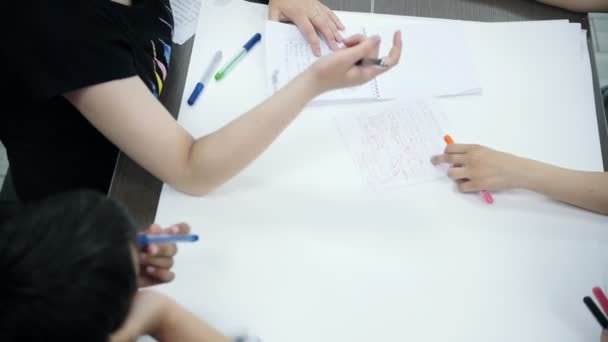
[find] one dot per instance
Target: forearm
(180, 325)
(217, 157)
(587, 190)
(128, 115)
(579, 5)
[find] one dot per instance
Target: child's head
(67, 270)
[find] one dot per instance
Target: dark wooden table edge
(602, 124)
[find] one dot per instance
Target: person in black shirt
(80, 78)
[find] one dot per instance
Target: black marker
(595, 311)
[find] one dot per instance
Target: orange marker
(448, 139)
(485, 194)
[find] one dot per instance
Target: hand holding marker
(487, 196)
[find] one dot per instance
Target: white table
(295, 249)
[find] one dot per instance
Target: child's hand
(477, 168)
(338, 69)
(156, 260)
(147, 312)
(310, 16)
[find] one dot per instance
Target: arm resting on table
(126, 113)
(134, 120)
(583, 189)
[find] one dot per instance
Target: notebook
(435, 60)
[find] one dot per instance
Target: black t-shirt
(52, 47)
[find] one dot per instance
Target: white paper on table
(185, 18)
(295, 238)
(393, 146)
(435, 60)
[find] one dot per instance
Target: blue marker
(145, 240)
(215, 62)
(254, 40)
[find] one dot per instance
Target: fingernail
(434, 160)
(150, 269)
(376, 38)
(153, 249)
(318, 52)
(174, 229)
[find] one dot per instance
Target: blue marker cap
(145, 240)
(256, 38)
(195, 93)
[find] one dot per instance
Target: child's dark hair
(66, 270)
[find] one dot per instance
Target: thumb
(153, 229)
(354, 40)
(365, 48)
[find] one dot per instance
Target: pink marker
(601, 298)
(487, 196)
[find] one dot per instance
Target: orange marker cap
(448, 139)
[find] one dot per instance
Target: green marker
(220, 74)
